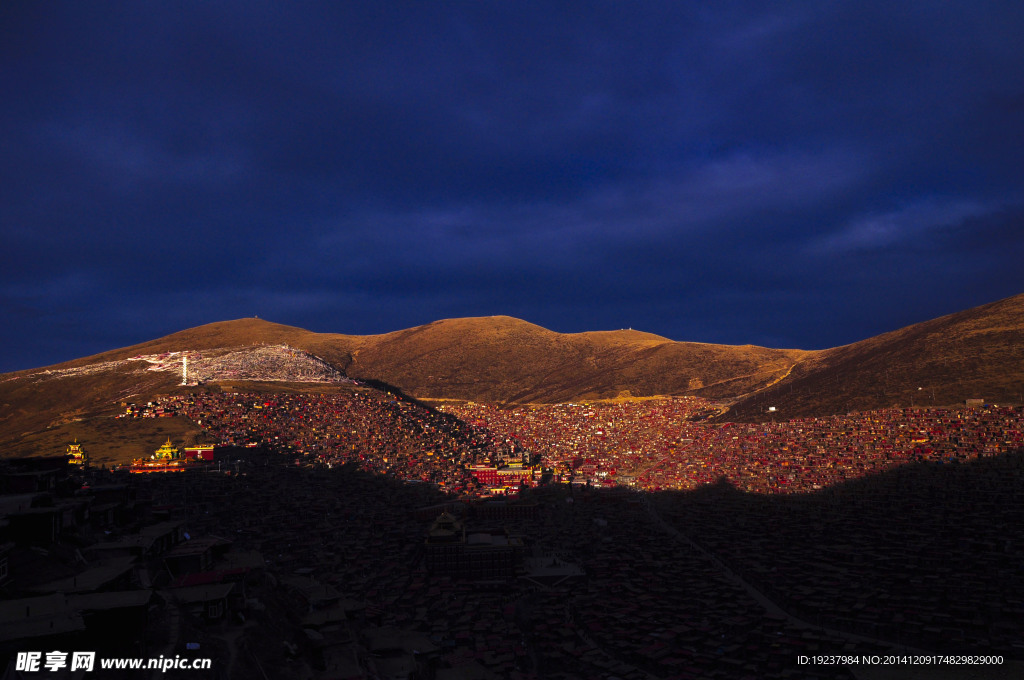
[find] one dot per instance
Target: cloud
(131, 160)
(668, 167)
(722, 194)
(922, 219)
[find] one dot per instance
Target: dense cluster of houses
(389, 551)
(661, 444)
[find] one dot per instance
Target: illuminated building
(508, 476)
(199, 452)
(167, 458)
(167, 451)
(76, 456)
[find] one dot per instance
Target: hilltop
(507, 360)
(41, 410)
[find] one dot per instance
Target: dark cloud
(799, 174)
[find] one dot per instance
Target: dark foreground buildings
(272, 569)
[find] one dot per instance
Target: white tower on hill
(184, 369)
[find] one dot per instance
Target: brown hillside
(497, 359)
(977, 353)
(502, 359)
(224, 334)
(67, 397)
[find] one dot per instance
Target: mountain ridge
(974, 353)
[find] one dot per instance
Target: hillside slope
(498, 359)
(976, 353)
(502, 359)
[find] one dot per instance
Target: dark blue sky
(804, 174)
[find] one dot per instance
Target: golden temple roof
(167, 450)
(75, 452)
